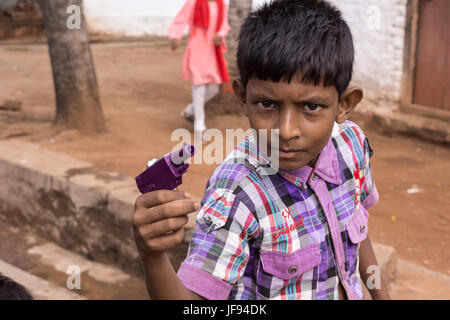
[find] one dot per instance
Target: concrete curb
(72, 203)
(415, 282)
(39, 288)
(69, 202)
(388, 119)
(84, 209)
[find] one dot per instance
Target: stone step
(35, 256)
(414, 282)
(63, 260)
(39, 288)
(98, 281)
(409, 281)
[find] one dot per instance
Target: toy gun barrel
(166, 172)
(186, 152)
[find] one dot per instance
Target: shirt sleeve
(369, 195)
(225, 27)
(218, 251)
(182, 20)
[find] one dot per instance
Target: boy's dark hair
(286, 38)
(11, 290)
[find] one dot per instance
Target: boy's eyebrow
(313, 99)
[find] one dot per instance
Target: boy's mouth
(289, 153)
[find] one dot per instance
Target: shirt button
(314, 176)
(292, 269)
(363, 227)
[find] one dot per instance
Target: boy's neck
(313, 162)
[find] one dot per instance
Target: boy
(300, 233)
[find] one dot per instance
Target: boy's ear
(349, 100)
(239, 91)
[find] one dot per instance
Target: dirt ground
(142, 95)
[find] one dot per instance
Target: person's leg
(188, 112)
(211, 90)
(198, 103)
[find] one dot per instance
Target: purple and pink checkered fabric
(288, 235)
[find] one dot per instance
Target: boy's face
(303, 113)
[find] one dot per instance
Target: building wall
(378, 28)
(131, 17)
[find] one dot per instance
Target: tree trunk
(76, 89)
(239, 10)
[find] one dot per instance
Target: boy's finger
(173, 209)
(168, 210)
(168, 241)
(162, 227)
(154, 198)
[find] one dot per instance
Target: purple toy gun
(165, 173)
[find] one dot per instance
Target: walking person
(204, 64)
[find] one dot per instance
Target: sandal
(187, 115)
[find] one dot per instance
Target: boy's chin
(288, 165)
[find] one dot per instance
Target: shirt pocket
(357, 226)
(288, 265)
(357, 231)
(279, 268)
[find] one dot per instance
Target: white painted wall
(131, 17)
(378, 28)
(377, 25)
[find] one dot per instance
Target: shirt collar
(327, 168)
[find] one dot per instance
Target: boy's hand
(158, 220)
(174, 44)
(217, 40)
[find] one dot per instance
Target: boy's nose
(289, 124)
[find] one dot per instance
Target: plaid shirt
(288, 235)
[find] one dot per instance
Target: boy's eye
(266, 104)
(312, 107)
